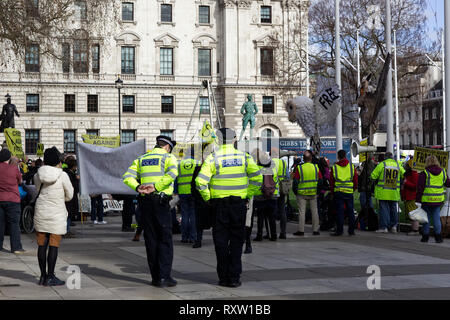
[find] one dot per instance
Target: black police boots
(438, 238)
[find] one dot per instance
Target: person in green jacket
(387, 176)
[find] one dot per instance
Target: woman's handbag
(419, 215)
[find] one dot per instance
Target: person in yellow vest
(227, 180)
(152, 176)
(265, 202)
(186, 169)
(387, 176)
(283, 174)
(343, 182)
(308, 176)
(431, 196)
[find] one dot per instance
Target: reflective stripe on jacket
(228, 172)
(309, 178)
(186, 170)
(343, 177)
(158, 168)
(434, 187)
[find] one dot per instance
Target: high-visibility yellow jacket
(228, 172)
(186, 170)
(158, 168)
(434, 191)
(309, 178)
(343, 178)
(281, 165)
(388, 174)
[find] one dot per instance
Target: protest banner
(40, 150)
(363, 155)
(421, 154)
(112, 205)
(14, 142)
(109, 142)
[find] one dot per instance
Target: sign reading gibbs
(421, 154)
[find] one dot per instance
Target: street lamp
(119, 85)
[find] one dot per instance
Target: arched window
(267, 133)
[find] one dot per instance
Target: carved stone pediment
(166, 40)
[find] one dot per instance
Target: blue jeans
(97, 208)
(363, 198)
(10, 213)
(435, 213)
(342, 198)
(388, 214)
(188, 225)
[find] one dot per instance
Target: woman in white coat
(50, 216)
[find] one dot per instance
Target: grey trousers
(301, 201)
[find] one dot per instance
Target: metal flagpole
(389, 113)
(397, 124)
(447, 66)
(358, 67)
(338, 76)
(444, 120)
(307, 61)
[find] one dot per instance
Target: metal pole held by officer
(227, 180)
(152, 176)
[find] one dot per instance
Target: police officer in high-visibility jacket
(308, 175)
(387, 175)
(153, 176)
(227, 179)
(343, 182)
(186, 169)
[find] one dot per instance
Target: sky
(435, 14)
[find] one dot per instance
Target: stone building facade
(164, 51)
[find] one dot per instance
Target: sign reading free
(421, 154)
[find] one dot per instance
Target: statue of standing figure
(248, 110)
(7, 115)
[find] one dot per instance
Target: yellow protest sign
(363, 155)
(14, 142)
(421, 154)
(109, 142)
(40, 150)
(207, 133)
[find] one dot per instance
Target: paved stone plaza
(323, 267)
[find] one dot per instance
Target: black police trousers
(156, 222)
(229, 235)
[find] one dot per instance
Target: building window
(32, 58)
(128, 136)
(69, 141)
(92, 103)
(127, 11)
(166, 61)
(434, 113)
(80, 56)
(203, 14)
(128, 104)
(402, 140)
(426, 114)
(128, 62)
(266, 14)
(69, 103)
(409, 115)
(204, 62)
(431, 138)
(32, 103)
(82, 9)
(96, 58)
(31, 141)
(167, 133)
(435, 137)
(66, 57)
(268, 105)
(166, 13)
(167, 104)
(267, 62)
(204, 105)
(427, 140)
(417, 139)
(93, 132)
(409, 138)
(267, 133)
